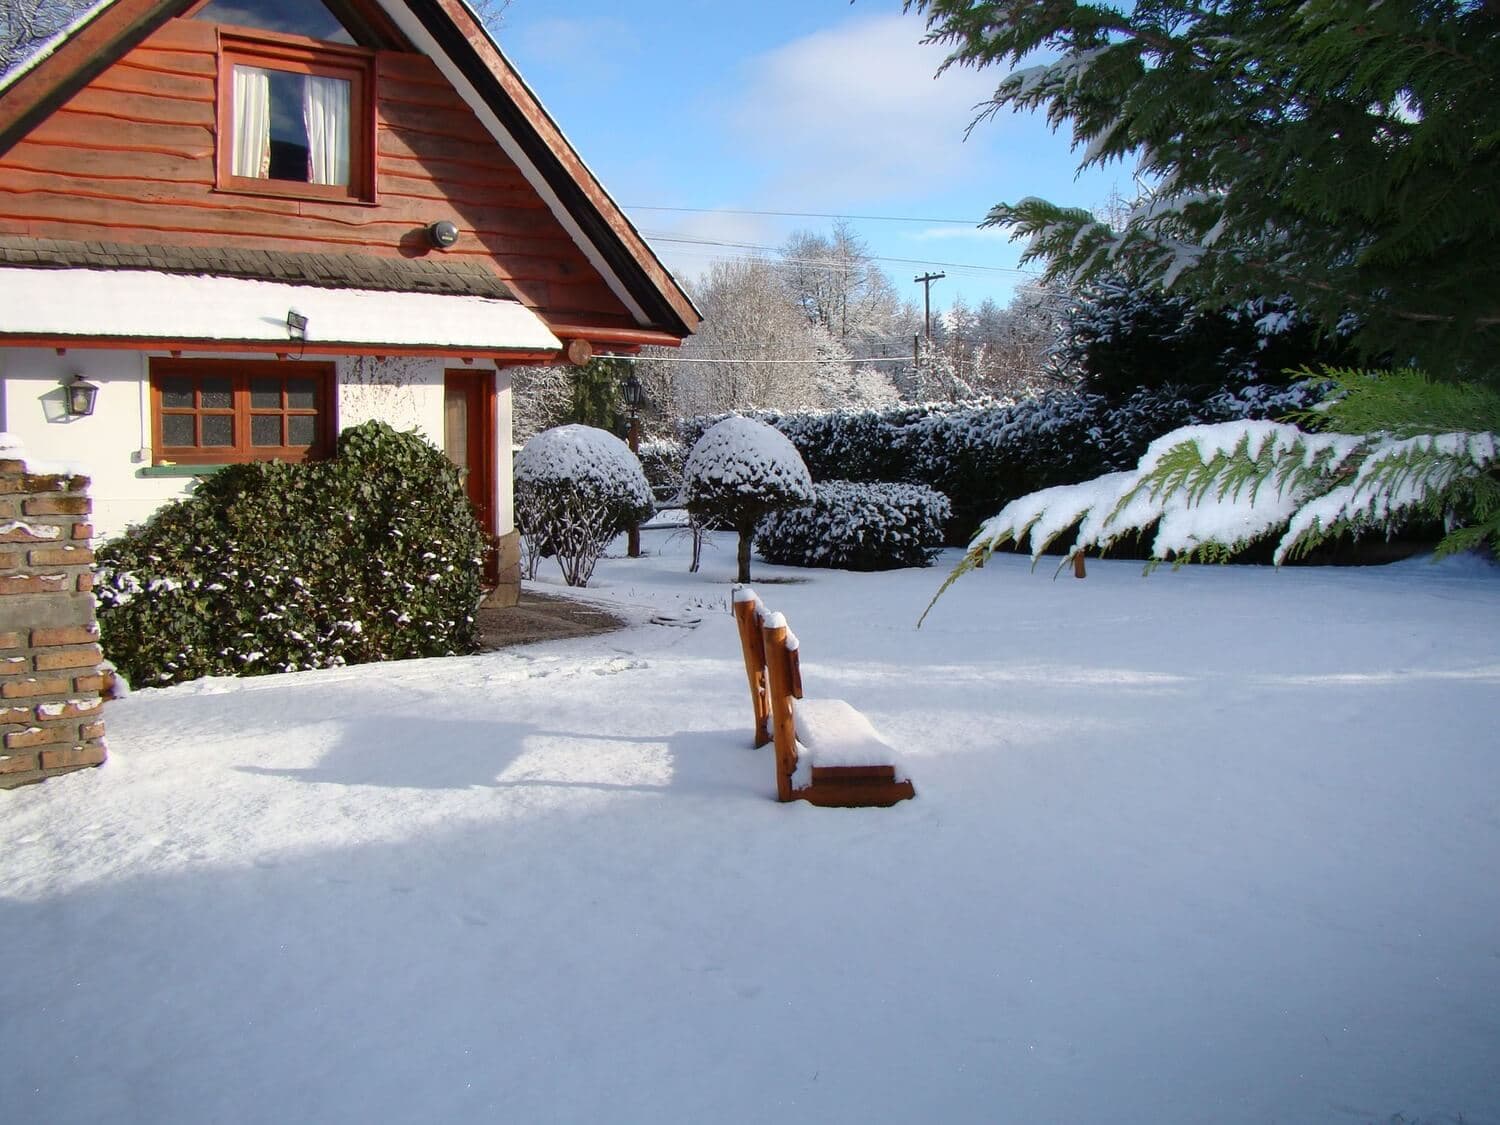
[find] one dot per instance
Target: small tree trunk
(746, 534)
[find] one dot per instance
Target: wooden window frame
(240, 372)
(295, 55)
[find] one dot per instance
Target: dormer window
(296, 115)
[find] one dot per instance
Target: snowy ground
(1214, 846)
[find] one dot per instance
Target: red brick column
(50, 684)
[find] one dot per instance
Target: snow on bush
(983, 455)
(269, 567)
(1208, 492)
(661, 461)
(577, 487)
(857, 526)
(740, 470)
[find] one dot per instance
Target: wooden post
(783, 720)
(633, 539)
(753, 644)
(1078, 570)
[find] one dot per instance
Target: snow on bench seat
(835, 734)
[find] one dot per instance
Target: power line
(809, 215)
(655, 237)
(822, 361)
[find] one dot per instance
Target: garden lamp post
(633, 397)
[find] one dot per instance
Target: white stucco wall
(114, 444)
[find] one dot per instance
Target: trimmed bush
(661, 461)
(269, 567)
(577, 487)
(854, 526)
(740, 470)
(983, 455)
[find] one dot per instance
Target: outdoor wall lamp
(443, 233)
(633, 394)
(81, 397)
(296, 325)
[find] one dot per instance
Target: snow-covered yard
(1212, 846)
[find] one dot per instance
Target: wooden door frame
(482, 450)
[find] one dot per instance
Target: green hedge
(268, 567)
(853, 526)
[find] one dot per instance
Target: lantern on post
(633, 398)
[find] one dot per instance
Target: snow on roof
(43, 50)
(742, 452)
(157, 306)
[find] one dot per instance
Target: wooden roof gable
(454, 40)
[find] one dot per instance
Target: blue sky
(810, 106)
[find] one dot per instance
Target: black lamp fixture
(82, 395)
(296, 325)
(444, 233)
(633, 394)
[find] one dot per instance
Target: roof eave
(484, 66)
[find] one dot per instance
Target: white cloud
(857, 112)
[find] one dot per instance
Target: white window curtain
(325, 112)
(252, 123)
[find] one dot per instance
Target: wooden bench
(827, 753)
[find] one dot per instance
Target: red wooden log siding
(130, 158)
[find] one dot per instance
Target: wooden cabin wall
(130, 158)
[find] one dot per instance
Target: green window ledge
(179, 470)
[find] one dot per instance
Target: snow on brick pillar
(50, 683)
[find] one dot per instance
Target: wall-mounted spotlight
(296, 325)
(444, 233)
(82, 395)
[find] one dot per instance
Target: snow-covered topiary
(740, 470)
(854, 526)
(577, 487)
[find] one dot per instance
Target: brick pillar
(50, 682)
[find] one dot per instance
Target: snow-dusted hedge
(983, 455)
(577, 487)
(661, 461)
(740, 470)
(857, 526)
(268, 567)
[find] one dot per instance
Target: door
(469, 442)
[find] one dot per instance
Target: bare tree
(754, 350)
(839, 287)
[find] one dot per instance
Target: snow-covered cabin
(251, 223)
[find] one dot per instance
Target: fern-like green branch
(1208, 492)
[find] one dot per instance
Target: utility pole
(925, 281)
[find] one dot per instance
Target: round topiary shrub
(577, 487)
(739, 470)
(268, 567)
(852, 526)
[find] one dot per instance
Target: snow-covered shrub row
(983, 455)
(661, 461)
(577, 487)
(740, 470)
(268, 567)
(857, 526)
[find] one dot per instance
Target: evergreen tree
(596, 392)
(1341, 152)
(1118, 336)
